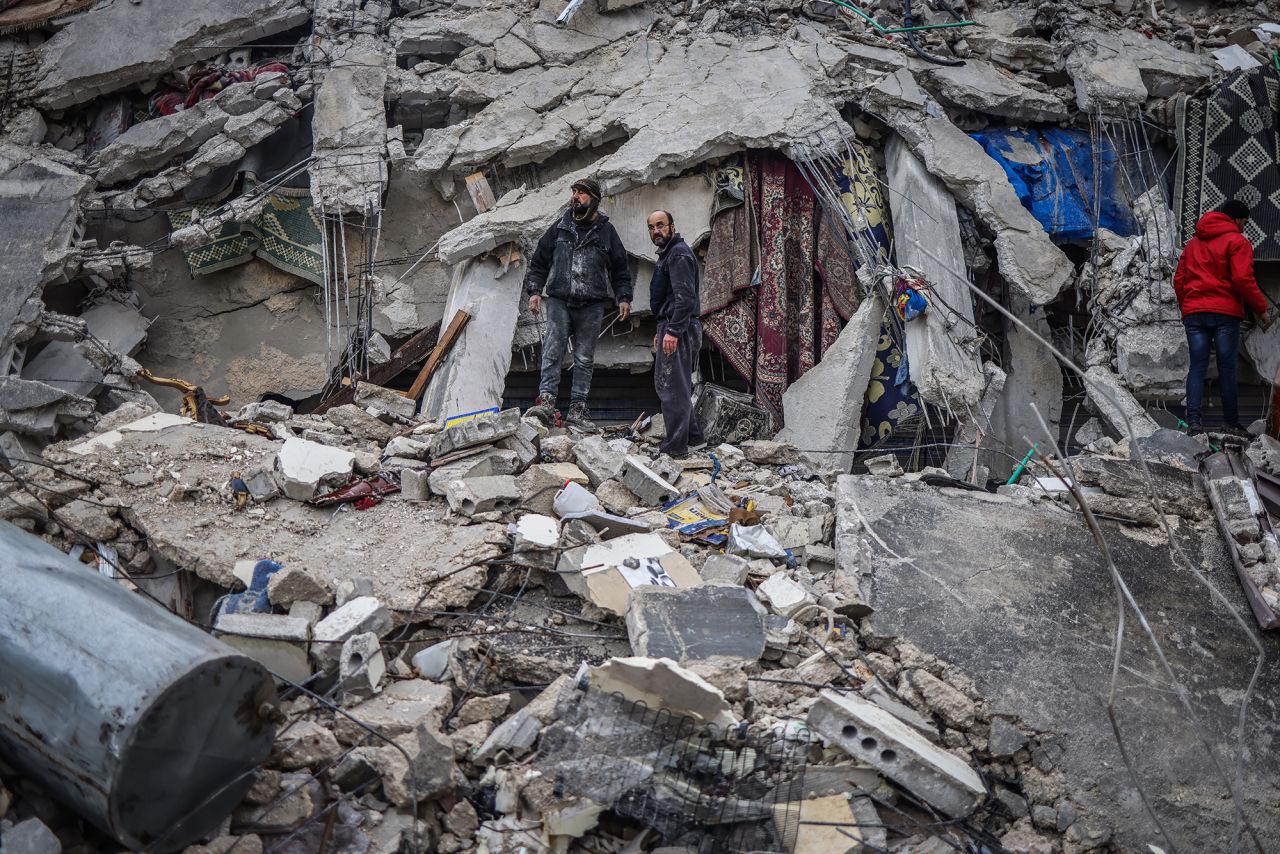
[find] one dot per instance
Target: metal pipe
(137, 720)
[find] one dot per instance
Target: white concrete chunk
(869, 733)
(305, 465)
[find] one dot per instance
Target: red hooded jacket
(1215, 272)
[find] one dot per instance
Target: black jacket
(673, 291)
(602, 261)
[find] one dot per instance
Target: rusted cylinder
(140, 722)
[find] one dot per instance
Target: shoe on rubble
(544, 409)
(1195, 430)
(1236, 430)
(577, 417)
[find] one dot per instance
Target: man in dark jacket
(1214, 282)
(577, 261)
(673, 296)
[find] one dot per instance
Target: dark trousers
(673, 380)
(1222, 332)
(582, 323)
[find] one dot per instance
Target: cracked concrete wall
(243, 331)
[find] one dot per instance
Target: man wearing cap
(581, 264)
(673, 295)
(1214, 282)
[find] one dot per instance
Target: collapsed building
(944, 580)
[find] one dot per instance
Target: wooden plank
(405, 357)
(437, 356)
(480, 191)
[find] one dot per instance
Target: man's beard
(583, 212)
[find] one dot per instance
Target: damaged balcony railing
(722, 789)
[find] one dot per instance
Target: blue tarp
(1051, 170)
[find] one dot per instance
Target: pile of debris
(611, 583)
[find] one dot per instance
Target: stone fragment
(784, 596)
(884, 465)
(867, 732)
(31, 836)
(359, 616)
(645, 483)
(398, 710)
(768, 452)
(404, 446)
(415, 484)
(695, 623)
(1116, 68)
(981, 87)
(304, 744)
(560, 447)
(276, 641)
(429, 773)
(1115, 405)
(477, 431)
(88, 521)
(433, 662)
(615, 497)
(482, 494)
(535, 540)
(954, 707)
(597, 460)
(312, 612)
(292, 584)
(514, 736)
(1152, 360)
(1005, 739)
(361, 424)
(660, 683)
(298, 800)
(352, 588)
(725, 569)
(262, 485)
(481, 709)
(386, 400)
(361, 668)
(248, 844)
(305, 466)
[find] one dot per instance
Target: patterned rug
(287, 235)
(1228, 150)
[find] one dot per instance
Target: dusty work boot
(544, 409)
(577, 417)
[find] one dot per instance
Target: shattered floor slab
(1020, 599)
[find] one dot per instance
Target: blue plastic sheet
(1052, 171)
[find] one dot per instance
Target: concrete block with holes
(869, 733)
(482, 494)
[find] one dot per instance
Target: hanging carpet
(1228, 150)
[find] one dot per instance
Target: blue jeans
(1222, 331)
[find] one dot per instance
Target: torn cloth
(1053, 172)
(287, 235)
(1227, 150)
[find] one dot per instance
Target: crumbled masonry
(950, 573)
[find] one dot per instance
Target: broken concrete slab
(476, 431)
(696, 623)
(1028, 259)
(869, 733)
(1116, 406)
(64, 364)
(1033, 377)
(949, 561)
(378, 398)
(962, 459)
(942, 345)
(980, 86)
(398, 710)
(306, 466)
(783, 595)
(647, 485)
(836, 386)
(482, 494)
(1152, 360)
(474, 374)
(661, 684)
(78, 64)
(362, 615)
(1119, 68)
(361, 668)
(277, 642)
(660, 141)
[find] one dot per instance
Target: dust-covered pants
(673, 380)
(583, 323)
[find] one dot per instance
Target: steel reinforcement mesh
(719, 789)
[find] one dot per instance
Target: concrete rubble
(264, 351)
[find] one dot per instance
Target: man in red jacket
(1214, 284)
